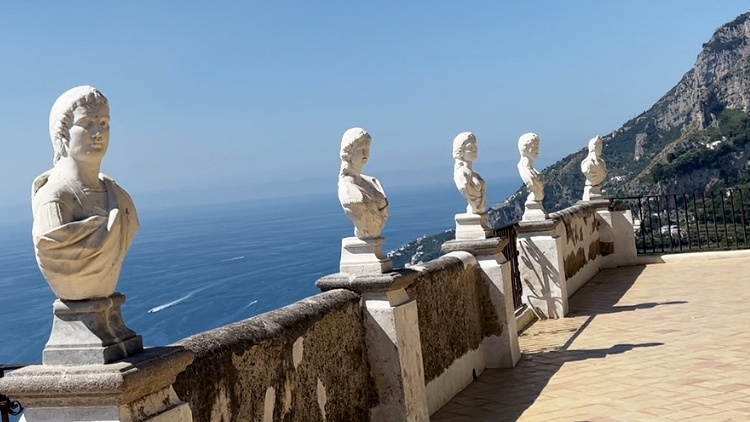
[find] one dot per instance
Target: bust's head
(81, 102)
(465, 147)
(528, 145)
(595, 146)
(355, 151)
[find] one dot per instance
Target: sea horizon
(195, 268)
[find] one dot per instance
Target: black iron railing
(8, 406)
(714, 220)
(511, 254)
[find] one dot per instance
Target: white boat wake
(170, 304)
(175, 302)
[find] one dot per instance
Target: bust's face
(531, 149)
(360, 154)
(89, 133)
(470, 150)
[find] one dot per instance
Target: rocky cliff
(695, 138)
(653, 152)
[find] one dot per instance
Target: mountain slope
(696, 137)
(653, 152)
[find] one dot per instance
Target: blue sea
(195, 268)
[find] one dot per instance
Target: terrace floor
(658, 342)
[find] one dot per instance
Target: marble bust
(528, 146)
(84, 222)
(469, 183)
(362, 197)
(595, 170)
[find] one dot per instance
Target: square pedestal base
(90, 332)
(471, 226)
(360, 256)
(534, 211)
(592, 193)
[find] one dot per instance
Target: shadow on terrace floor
(505, 394)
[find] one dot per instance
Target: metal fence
(8, 406)
(511, 254)
(713, 220)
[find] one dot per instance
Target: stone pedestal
(360, 256)
(501, 351)
(540, 263)
(534, 211)
(393, 345)
(592, 193)
(91, 331)
(137, 389)
(471, 226)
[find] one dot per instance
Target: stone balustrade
(398, 345)
(331, 356)
(558, 255)
(339, 354)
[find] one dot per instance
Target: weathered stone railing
(558, 255)
(331, 357)
(305, 359)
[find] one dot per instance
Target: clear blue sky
(253, 97)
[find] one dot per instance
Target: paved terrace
(660, 342)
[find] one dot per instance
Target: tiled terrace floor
(663, 342)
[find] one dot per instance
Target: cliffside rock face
(722, 72)
(640, 145)
(719, 81)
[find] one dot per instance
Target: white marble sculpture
(361, 196)
(469, 183)
(364, 201)
(595, 170)
(83, 226)
(528, 146)
(84, 222)
(473, 223)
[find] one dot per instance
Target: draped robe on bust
(472, 187)
(82, 259)
(365, 203)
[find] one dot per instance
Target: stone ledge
(691, 256)
(112, 384)
(442, 263)
(555, 218)
(537, 226)
(476, 247)
(290, 321)
(366, 283)
(580, 207)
